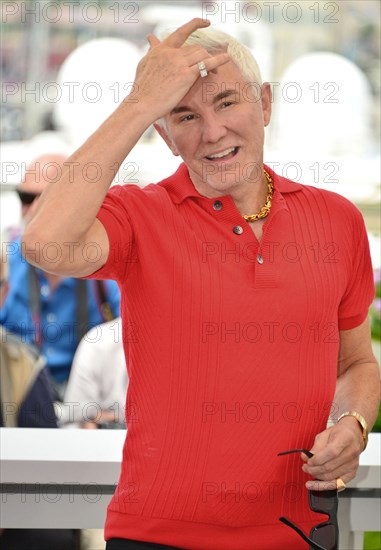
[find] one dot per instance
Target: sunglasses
(324, 536)
(27, 198)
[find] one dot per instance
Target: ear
(267, 100)
(166, 137)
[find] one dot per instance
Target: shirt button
(260, 259)
(51, 318)
(217, 205)
(237, 229)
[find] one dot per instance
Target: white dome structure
(322, 106)
(93, 80)
(321, 129)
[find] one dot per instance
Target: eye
(226, 104)
(186, 118)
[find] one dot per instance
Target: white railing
(65, 478)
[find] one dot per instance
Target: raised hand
(169, 69)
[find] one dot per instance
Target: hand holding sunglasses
(325, 535)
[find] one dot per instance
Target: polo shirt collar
(180, 186)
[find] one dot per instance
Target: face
(44, 170)
(218, 130)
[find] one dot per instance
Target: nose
(213, 129)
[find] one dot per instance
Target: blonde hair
(212, 39)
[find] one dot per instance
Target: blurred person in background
(27, 401)
(27, 394)
(37, 175)
(44, 309)
(242, 348)
(96, 393)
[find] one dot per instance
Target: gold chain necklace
(266, 208)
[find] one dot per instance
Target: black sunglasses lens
(26, 198)
(324, 502)
(325, 535)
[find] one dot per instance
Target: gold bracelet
(361, 420)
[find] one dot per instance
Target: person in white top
(96, 391)
(95, 394)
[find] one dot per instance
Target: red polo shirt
(231, 347)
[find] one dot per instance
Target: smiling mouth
(227, 154)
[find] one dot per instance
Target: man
(27, 397)
(237, 334)
(42, 170)
(44, 309)
(27, 401)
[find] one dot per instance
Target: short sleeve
(360, 290)
(114, 217)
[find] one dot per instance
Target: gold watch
(361, 420)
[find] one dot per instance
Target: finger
(348, 470)
(332, 483)
(331, 458)
(332, 451)
(318, 485)
(178, 37)
(195, 57)
(212, 62)
(334, 460)
(153, 40)
(217, 60)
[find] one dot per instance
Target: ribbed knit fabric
(231, 360)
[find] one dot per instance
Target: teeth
(222, 154)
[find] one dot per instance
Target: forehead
(34, 181)
(41, 172)
(204, 90)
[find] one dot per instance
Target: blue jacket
(55, 328)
